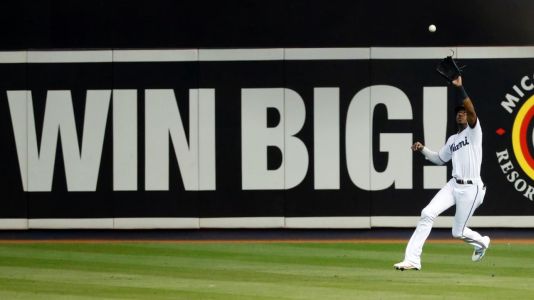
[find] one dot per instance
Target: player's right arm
(432, 156)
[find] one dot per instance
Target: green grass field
(260, 271)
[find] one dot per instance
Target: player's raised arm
(465, 101)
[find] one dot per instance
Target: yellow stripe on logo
(516, 137)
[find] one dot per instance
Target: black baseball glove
(449, 69)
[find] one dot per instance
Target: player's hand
(417, 146)
(458, 81)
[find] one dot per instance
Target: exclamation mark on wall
(435, 131)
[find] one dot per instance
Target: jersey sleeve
(445, 153)
(475, 132)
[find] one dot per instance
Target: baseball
(432, 28)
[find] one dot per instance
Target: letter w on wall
(37, 163)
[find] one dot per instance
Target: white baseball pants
(466, 197)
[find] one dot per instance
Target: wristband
(461, 94)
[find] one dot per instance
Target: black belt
(461, 181)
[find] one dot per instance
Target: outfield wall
(253, 133)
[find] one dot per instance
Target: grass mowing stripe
(307, 274)
(214, 258)
(458, 256)
(339, 260)
(228, 286)
(263, 271)
(22, 294)
(51, 290)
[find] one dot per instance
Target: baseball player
(465, 189)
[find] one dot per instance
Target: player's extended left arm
(464, 100)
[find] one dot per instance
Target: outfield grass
(260, 271)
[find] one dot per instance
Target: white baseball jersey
(465, 150)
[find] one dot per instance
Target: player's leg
(441, 201)
(468, 199)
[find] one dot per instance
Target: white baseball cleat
(479, 252)
(404, 265)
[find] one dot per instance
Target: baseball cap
(459, 108)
